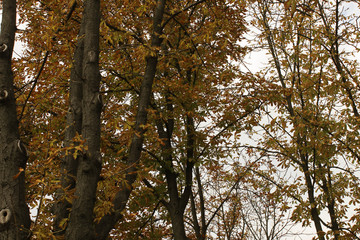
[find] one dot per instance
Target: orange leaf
(18, 174)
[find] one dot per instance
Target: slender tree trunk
(327, 188)
(73, 127)
(195, 222)
(200, 231)
(14, 213)
(177, 204)
(313, 210)
(81, 219)
(202, 204)
(300, 144)
(108, 221)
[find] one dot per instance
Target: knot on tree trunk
(5, 216)
(3, 95)
(92, 57)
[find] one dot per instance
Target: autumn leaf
(18, 174)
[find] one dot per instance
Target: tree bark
(200, 230)
(14, 213)
(73, 127)
(177, 221)
(313, 205)
(177, 204)
(81, 219)
(108, 221)
(176, 207)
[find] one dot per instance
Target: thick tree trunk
(177, 222)
(81, 218)
(14, 213)
(108, 221)
(176, 207)
(73, 127)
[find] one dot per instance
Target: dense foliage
(190, 143)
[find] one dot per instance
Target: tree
(76, 144)
(89, 164)
(140, 124)
(304, 128)
(192, 73)
(14, 213)
(87, 122)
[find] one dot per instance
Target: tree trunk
(176, 206)
(327, 188)
(14, 213)
(200, 230)
(73, 127)
(177, 221)
(313, 205)
(108, 221)
(81, 219)
(300, 144)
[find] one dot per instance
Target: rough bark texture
(73, 127)
(81, 218)
(14, 213)
(108, 221)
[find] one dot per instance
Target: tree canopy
(142, 119)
